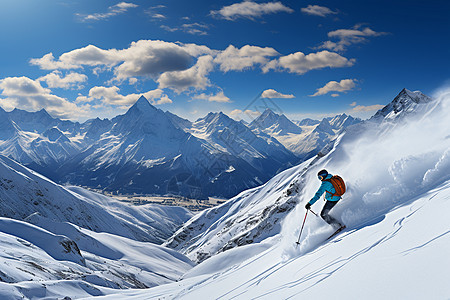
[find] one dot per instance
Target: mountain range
(149, 151)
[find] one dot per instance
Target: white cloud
(234, 59)
(194, 77)
(317, 10)
(271, 93)
(158, 16)
(191, 28)
(72, 80)
(218, 97)
(300, 63)
(153, 12)
(75, 59)
(195, 28)
(362, 108)
(334, 86)
(198, 50)
(348, 37)
(178, 66)
(142, 58)
(28, 94)
(111, 96)
(168, 28)
(112, 11)
(250, 10)
(248, 114)
(151, 58)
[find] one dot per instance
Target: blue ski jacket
(325, 186)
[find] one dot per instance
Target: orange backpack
(338, 184)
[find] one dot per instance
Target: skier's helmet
(322, 174)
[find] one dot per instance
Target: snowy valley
(64, 241)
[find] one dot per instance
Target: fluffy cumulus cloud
(250, 10)
(142, 58)
(111, 96)
(218, 97)
(195, 77)
(234, 59)
(112, 11)
(299, 63)
(76, 59)
(176, 66)
(28, 94)
(344, 38)
(150, 58)
(72, 80)
(317, 10)
(271, 93)
(333, 86)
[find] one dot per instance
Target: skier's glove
(308, 205)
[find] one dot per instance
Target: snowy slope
(67, 260)
(24, 192)
(393, 257)
(397, 241)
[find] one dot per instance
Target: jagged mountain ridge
(303, 138)
(163, 153)
(145, 152)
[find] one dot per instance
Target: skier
(331, 198)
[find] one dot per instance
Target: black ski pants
(329, 219)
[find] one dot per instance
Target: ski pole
(313, 212)
(298, 242)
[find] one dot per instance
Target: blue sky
(81, 59)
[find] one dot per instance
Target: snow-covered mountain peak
(416, 96)
(342, 121)
(44, 113)
(324, 126)
(213, 121)
(273, 123)
(405, 102)
(307, 122)
(266, 119)
(53, 134)
(143, 105)
(144, 118)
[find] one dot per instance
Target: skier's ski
(336, 232)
